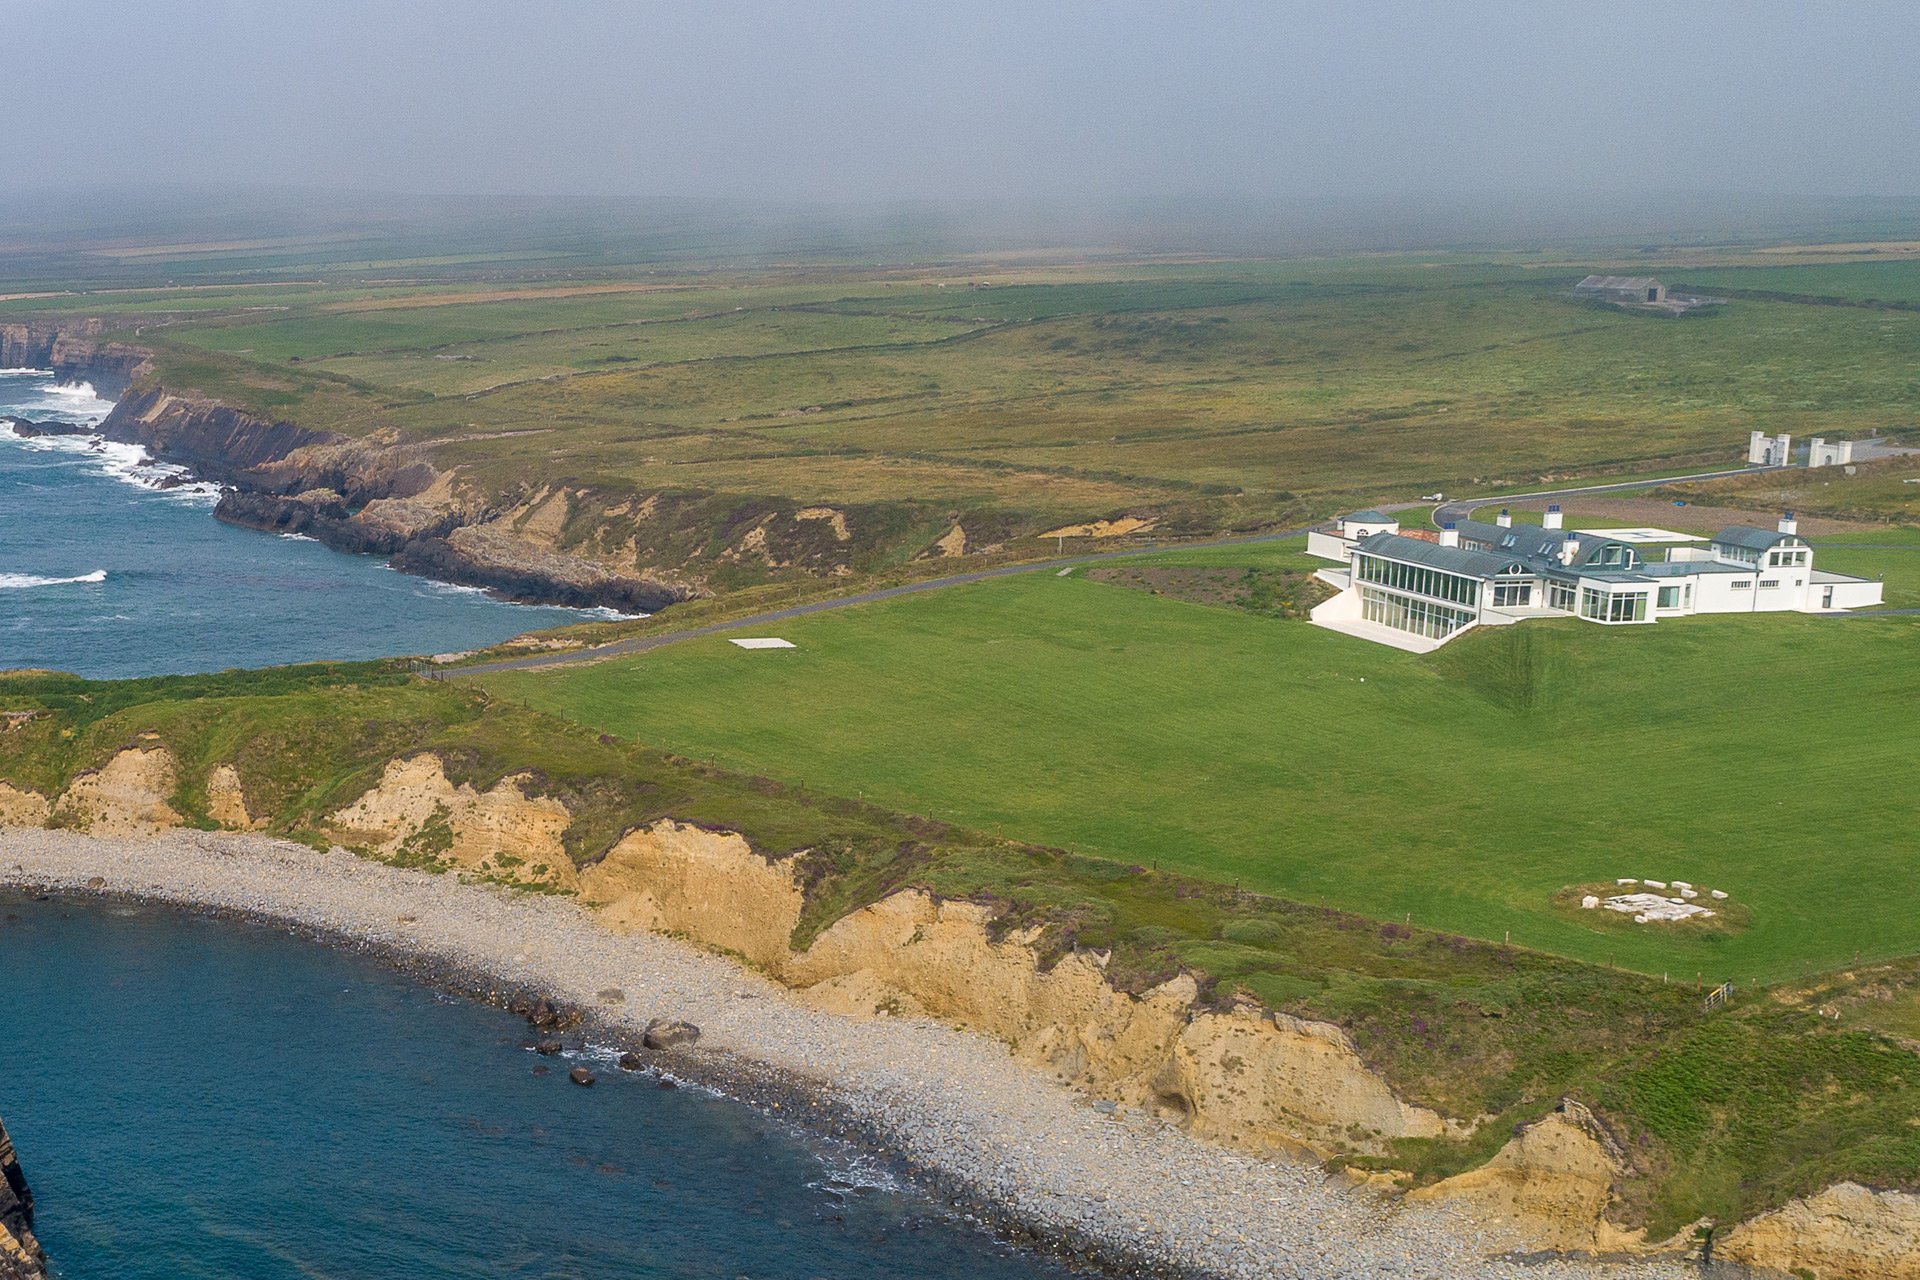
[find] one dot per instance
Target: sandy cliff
(1242, 1077)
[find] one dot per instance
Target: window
(1405, 613)
(1559, 596)
(1669, 598)
(1512, 594)
(1617, 606)
(1826, 598)
(1686, 597)
(1742, 584)
(1741, 554)
(1767, 584)
(1420, 580)
(1800, 558)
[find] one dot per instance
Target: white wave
(298, 537)
(21, 581)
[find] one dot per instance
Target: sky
(854, 100)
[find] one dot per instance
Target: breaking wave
(20, 581)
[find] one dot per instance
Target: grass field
(1771, 757)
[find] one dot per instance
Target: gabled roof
(1369, 516)
(1635, 283)
(1474, 564)
(1740, 535)
(1532, 542)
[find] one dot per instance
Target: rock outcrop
(227, 803)
(23, 808)
(130, 795)
(219, 443)
(1845, 1231)
(77, 351)
(20, 1255)
(416, 815)
(1549, 1187)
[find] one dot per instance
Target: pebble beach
(951, 1107)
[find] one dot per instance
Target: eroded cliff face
(1845, 1231)
(415, 813)
(129, 796)
(78, 351)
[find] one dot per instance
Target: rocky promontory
(20, 1256)
(75, 350)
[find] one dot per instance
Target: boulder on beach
(664, 1033)
(630, 1061)
(580, 1076)
(547, 1048)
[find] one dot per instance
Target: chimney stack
(1449, 535)
(1505, 521)
(1569, 548)
(1552, 519)
(1788, 524)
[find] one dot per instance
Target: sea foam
(21, 581)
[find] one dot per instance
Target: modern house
(1417, 595)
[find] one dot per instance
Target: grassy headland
(1476, 1029)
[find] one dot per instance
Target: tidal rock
(544, 1015)
(631, 1062)
(580, 1076)
(97, 882)
(664, 1033)
(547, 1048)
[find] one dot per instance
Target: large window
(1613, 606)
(1669, 598)
(1512, 594)
(1405, 613)
(1420, 580)
(1560, 596)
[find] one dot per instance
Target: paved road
(640, 644)
(1463, 509)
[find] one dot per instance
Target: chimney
(1569, 548)
(1788, 524)
(1552, 519)
(1505, 521)
(1449, 535)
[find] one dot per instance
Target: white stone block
(1628, 880)
(1589, 902)
(1680, 884)
(1718, 893)
(1654, 884)
(1689, 893)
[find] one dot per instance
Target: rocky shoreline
(1043, 1165)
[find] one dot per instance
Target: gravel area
(953, 1107)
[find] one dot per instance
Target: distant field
(1895, 280)
(1771, 757)
(1237, 392)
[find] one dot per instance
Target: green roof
(1740, 535)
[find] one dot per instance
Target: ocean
(106, 574)
(198, 1097)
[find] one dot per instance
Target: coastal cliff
(375, 495)
(20, 1255)
(78, 351)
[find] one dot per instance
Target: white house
(1417, 595)
(1348, 530)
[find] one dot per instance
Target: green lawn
(1772, 757)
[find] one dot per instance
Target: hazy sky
(849, 100)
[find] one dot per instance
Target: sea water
(107, 574)
(194, 1097)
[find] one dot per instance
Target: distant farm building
(1641, 289)
(1764, 450)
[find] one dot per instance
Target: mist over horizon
(858, 102)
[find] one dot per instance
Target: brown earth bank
(1230, 1073)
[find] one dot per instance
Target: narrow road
(1461, 510)
(640, 644)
